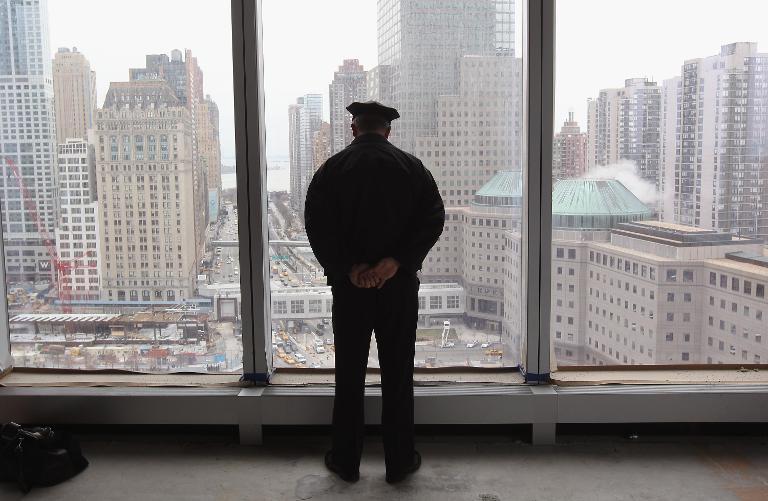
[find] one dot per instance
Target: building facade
(304, 120)
(209, 147)
(146, 187)
(478, 133)
(379, 84)
(77, 233)
(27, 142)
(348, 85)
(185, 77)
(569, 151)
(474, 253)
(627, 290)
(74, 90)
(717, 179)
(321, 145)
(625, 124)
(423, 41)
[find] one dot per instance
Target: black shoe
(347, 476)
(393, 478)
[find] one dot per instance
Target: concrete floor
(455, 468)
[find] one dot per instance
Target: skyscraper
(348, 85)
(74, 89)
(77, 234)
(182, 73)
(671, 90)
(185, 78)
(379, 83)
(721, 131)
(209, 147)
(478, 132)
(423, 41)
(27, 141)
(625, 124)
(304, 119)
(146, 187)
(569, 151)
(321, 144)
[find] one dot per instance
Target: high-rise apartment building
(184, 76)
(77, 234)
(569, 151)
(348, 85)
(718, 177)
(671, 90)
(27, 141)
(74, 90)
(625, 124)
(146, 186)
(304, 119)
(423, 41)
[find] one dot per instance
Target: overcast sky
(600, 43)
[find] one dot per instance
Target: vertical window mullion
(6, 362)
(251, 184)
(538, 133)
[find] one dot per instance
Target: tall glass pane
(660, 201)
(454, 72)
(117, 186)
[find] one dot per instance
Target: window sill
(29, 377)
(655, 375)
(421, 377)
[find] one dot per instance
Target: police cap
(373, 108)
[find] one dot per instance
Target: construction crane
(61, 268)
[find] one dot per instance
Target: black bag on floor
(38, 456)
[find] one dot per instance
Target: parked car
(449, 344)
(484, 345)
(472, 344)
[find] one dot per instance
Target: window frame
(6, 361)
(538, 81)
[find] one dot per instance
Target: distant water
(278, 179)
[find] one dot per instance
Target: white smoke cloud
(625, 172)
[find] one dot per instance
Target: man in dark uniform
(372, 214)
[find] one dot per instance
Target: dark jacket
(370, 201)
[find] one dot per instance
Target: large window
(454, 71)
(119, 193)
(118, 186)
(660, 211)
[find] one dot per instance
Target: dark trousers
(392, 312)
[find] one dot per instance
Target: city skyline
(695, 130)
(659, 58)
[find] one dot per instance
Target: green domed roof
(504, 189)
(594, 204)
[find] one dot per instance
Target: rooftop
(594, 204)
(679, 235)
(504, 189)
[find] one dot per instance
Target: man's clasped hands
(366, 277)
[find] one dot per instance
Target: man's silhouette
(372, 214)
